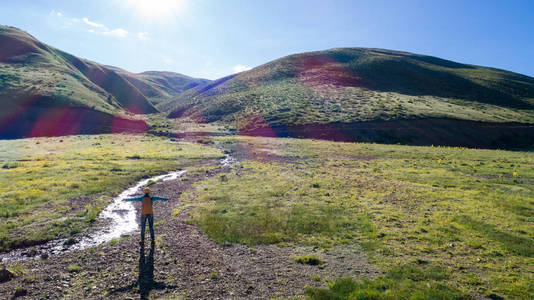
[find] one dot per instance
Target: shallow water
(228, 161)
(122, 215)
(120, 218)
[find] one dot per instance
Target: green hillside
(348, 85)
(30, 68)
(45, 91)
(162, 86)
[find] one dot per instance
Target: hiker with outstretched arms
(146, 212)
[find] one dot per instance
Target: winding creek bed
(119, 217)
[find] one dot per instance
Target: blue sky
(215, 38)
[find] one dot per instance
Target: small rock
(495, 297)
(422, 261)
(5, 275)
(32, 252)
(19, 292)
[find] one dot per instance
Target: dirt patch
(245, 151)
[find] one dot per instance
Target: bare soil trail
(184, 263)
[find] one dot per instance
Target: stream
(119, 217)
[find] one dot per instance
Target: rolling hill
(350, 94)
(161, 86)
(368, 95)
(46, 91)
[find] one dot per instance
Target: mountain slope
(161, 86)
(30, 67)
(40, 83)
(357, 84)
(344, 92)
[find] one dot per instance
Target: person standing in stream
(147, 213)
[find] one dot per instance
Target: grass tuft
(74, 269)
(311, 260)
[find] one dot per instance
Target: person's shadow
(145, 280)
(146, 271)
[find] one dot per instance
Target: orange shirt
(147, 206)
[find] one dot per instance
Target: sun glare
(158, 9)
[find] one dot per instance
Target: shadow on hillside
(419, 75)
(145, 281)
(416, 132)
(35, 119)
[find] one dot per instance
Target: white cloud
(93, 23)
(97, 28)
(142, 35)
(117, 32)
(241, 68)
(62, 20)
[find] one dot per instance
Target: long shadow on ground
(145, 280)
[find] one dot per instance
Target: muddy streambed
(119, 217)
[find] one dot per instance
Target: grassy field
(439, 222)
(55, 187)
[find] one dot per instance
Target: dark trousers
(150, 226)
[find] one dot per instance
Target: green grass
(60, 185)
(467, 211)
(402, 282)
(260, 208)
(308, 260)
(74, 269)
(17, 269)
(513, 244)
